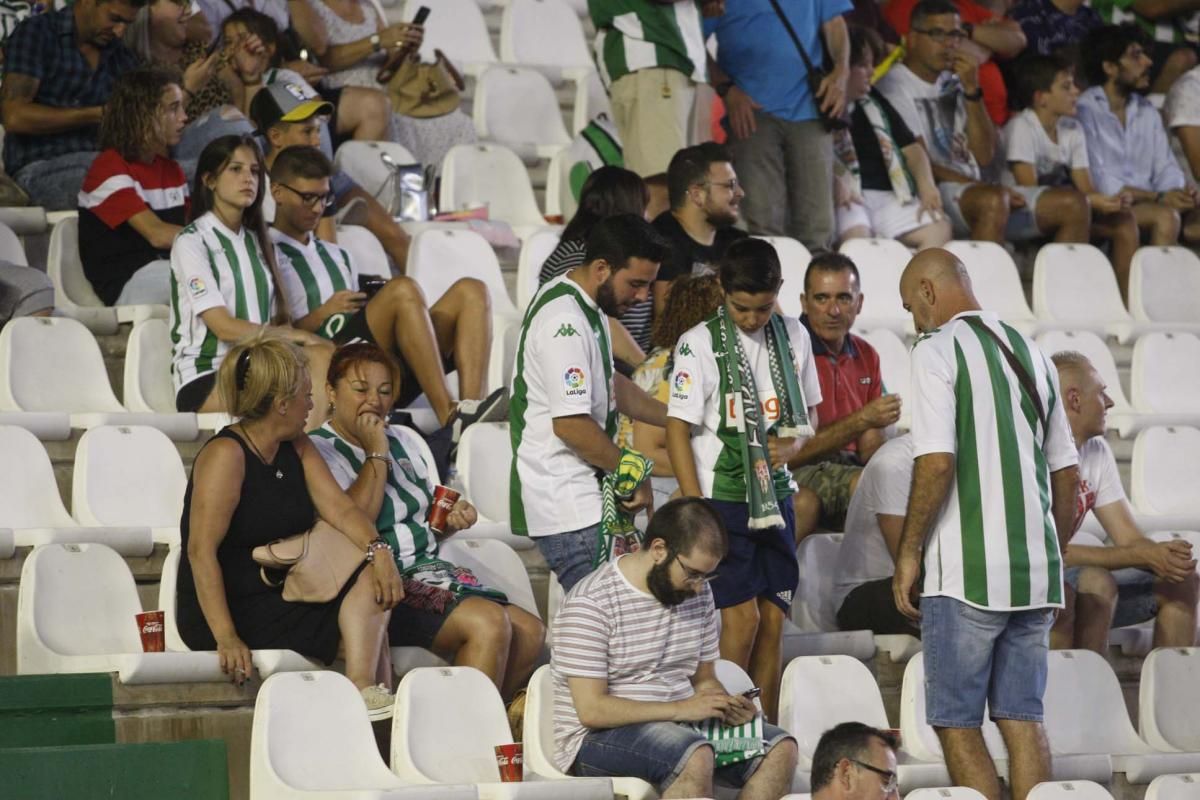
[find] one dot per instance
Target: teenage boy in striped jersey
(322, 286)
(992, 504)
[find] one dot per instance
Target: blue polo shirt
(755, 50)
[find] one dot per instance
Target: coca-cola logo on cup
(152, 626)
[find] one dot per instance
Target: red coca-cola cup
(510, 759)
(444, 499)
(153, 630)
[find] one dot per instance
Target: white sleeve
(293, 286)
(190, 261)
(892, 477)
(806, 364)
(566, 367)
(1075, 148)
(693, 377)
(1108, 488)
(1021, 141)
(1059, 444)
(1183, 103)
(933, 378)
(892, 87)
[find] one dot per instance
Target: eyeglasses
(311, 198)
(732, 184)
(890, 780)
(695, 576)
(940, 36)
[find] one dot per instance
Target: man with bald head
(993, 492)
(1135, 578)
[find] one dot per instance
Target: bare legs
(502, 642)
(751, 634)
(363, 625)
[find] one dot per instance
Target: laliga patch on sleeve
(575, 382)
(197, 288)
(681, 385)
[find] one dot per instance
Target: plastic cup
(444, 499)
(152, 628)
(510, 759)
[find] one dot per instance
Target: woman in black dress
(258, 480)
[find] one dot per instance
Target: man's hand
(1108, 203)
(643, 496)
(967, 70)
(904, 585)
(741, 710)
(832, 93)
(930, 203)
(712, 8)
(1015, 198)
(740, 108)
(1180, 199)
(705, 704)
(781, 451)
(1170, 561)
(882, 411)
(346, 301)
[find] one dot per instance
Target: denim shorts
(1022, 222)
(657, 752)
(973, 657)
(570, 554)
(1136, 601)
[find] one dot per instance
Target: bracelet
(973, 96)
(384, 457)
(373, 547)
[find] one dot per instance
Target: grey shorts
(1135, 594)
(1022, 222)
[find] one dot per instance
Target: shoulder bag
(814, 75)
(1023, 377)
(319, 562)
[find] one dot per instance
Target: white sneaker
(379, 702)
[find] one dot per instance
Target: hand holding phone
(750, 694)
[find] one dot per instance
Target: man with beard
(634, 661)
(705, 199)
(1127, 143)
(565, 397)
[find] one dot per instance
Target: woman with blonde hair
(259, 480)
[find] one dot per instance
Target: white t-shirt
(936, 112)
(563, 368)
(1182, 106)
(1028, 143)
(1099, 480)
(883, 488)
(699, 398)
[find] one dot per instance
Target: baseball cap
(285, 102)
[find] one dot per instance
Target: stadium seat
(793, 259)
(77, 611)
(496, 565)
(554, 600)
(432, 745)
(1074, 287)
(517, 107)
(811, 613)
(129, 476)
(484, 460)
(1121, 416)
(32, 510)
(1160, 499)
(590, 101)
(545, 34)
(458, 29)
(1069, 790)
(148, 386)
(490, 175)
(1163, 285)
(1168, 696)
(73, 293)
(819, 692)
(11, 249)
(996, 282)
(54, 364)
(880, 263)
(538, 740)
(894, 367)
(367, 163)
(8, 545)
(945, 793)
(366, 253)
(1085, 713)
(1164, 379)
(534, 252)
(559, 201)
(1174, 787)
(311, 739)
(49, 426)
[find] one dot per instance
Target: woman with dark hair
(607, 192)
(224, 278)
(134, 199)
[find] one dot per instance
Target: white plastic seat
(148, 385)
(32, 510)
(810, 609)
(431, 745)
(11, 249)
(1161, 455)
(945, 793)
(496, 565)
(545, 34)
(129, 476)
(366, 253)
(559, 201)
(1074, 287)
(880, 263)
(312, 739)
(73, 293)
(1121, 416)
(517, 107)
(996, 282)
(820, 692)
(534, 252)
(894, 368)
(8, 546)
(1069, 790)
(54, 364)
(1164, 379)
(590, 101)
(538, 740)
(793, 261)
(364, 162)
(1164, 283)
(484, 461)
(458, 29)
(1085, 713)
(491, 175)
(1168, 696)
(1174, 787)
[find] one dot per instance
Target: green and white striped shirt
(994, 545)
(403, 517)
(212, 266)
(639, 34)
(311, 273)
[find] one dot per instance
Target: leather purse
(319, 562)
(422, 90)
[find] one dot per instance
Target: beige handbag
(424, 90)
(318, 563)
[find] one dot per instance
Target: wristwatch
(376, 42)
(723, 88)
(971, 97)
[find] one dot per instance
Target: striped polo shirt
(994, 545)
(311, 273)
(639, 34)
(213, 266)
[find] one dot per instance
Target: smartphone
(750, 694)
(370, 284)
(421, 16)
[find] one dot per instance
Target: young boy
(744, 392)
(1046, 147)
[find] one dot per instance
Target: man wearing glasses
(854, 761)
(321, 283)
(634, 664)
(937, 91)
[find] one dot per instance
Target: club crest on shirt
(197, 288)
(681, 385)
(574, 382)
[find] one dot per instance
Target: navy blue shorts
(759, 563)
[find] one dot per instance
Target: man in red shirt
(854, 411)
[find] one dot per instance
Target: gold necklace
(257, 452)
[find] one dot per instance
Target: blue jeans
(1136, 601)
(974, 656)
(570, 554)
(150, 284)
(54, 183)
